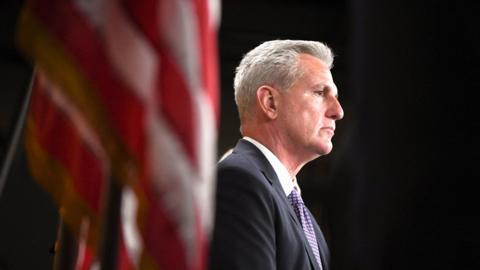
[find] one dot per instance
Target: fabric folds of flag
(126, 90)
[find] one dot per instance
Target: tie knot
(294, 193)
(295, 198)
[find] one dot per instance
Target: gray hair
(273, 63)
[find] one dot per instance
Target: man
(287, 102)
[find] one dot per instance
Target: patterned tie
(302, 214)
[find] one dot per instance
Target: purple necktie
(302, 214)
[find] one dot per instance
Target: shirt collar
(281, 171)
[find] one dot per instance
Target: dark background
(399, 189)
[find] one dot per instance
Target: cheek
(311, 116)
(307, 121)
(305, 117)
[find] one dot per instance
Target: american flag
(126, 90)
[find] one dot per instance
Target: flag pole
(109, 247)
(15, 137)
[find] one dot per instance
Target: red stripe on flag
(59, 137)
(175, 103)
(162, 238)
(208, 61)
(144, 15)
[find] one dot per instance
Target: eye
(319, 92)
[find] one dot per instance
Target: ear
(267, 98)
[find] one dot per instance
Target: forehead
(310, 63)
(315, 72)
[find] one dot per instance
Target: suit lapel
(266, 168)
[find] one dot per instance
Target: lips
(330, 130)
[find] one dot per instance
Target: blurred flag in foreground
(126, 90)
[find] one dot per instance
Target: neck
(272, 140)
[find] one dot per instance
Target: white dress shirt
(282, 173)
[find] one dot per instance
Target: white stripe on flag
(215, 13)
(132, 56)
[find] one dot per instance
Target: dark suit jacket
(255, 225)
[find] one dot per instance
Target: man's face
(309, 109)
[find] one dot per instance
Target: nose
(335, 110)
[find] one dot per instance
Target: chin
(325, 148)
(326, 152)
(320, 148)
